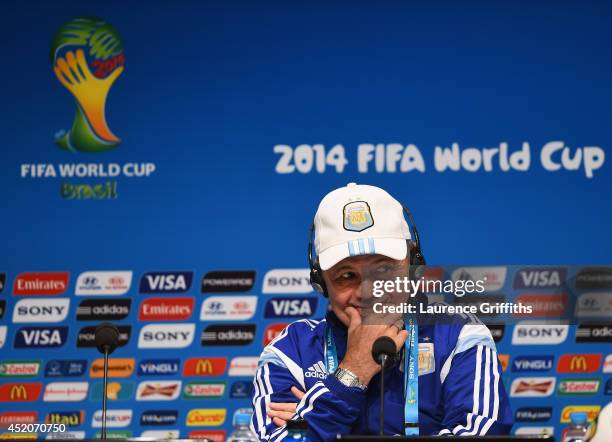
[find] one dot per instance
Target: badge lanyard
(411, 374)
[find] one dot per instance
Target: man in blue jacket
(323, 370)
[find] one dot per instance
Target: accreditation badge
(427, 362)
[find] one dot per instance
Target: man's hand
(281, 412)
(358, 358)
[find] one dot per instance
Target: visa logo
(166, 282)
(291, 307)
(538, 277)
(532, 363)
(158, 367)
(41, 337)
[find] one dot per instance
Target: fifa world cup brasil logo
(87, 57)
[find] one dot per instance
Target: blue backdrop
(210, 88)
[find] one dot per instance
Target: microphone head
(384, 346)
(106, 337)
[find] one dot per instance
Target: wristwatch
(349, 379)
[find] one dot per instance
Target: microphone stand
(383, 362)
(104, 393)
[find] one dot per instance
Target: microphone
(383, 352)
(106, 338)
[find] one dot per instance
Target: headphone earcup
(316, 280)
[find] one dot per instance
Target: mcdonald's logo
(205, 366)
(20, 392)
(579, 363)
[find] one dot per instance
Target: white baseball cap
(359, 220)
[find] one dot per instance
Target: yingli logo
(214, 366)
(41, 283)
(579, 363)
(20, 392)
(166, 309)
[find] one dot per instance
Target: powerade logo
(158, 367)
(40, 337)
(158, 417)
(166, 282)
(291, 307)
(540, 277)
(228, 281)
(65, 368)
(532, 363)
(535, 414)
(594, 278)
(241, 390)
(87, 57)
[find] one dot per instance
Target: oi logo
(87, 57)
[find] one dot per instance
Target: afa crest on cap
(357, 216)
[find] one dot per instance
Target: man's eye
(346, 276)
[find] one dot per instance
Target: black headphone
(414, 249)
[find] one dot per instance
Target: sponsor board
(213, 366)
(68, 418)
(597, 333)
(114, 418)
(20, 392)
(532, 363)
(272, 331)
(2, 308)
(579, 363)
(504, 360)
(158, 390)
(40, 283)
(543, 305)
(497, 331)
(228, 308)
(160, 434)
(291, 307)
(103, 309)
(65, 391)
(533, 414)
(532, 387)
(608, 389)
(243, 366)
(539, 333)
(206, 417)
(94, 283)
(19, 368)
(592, 412)
(594, 305)
(158, 367)
(2, 281)
(540, 278)
(534, 431)
(228, 281)
(594, 278)
(166, 282)
(199, 390)
(170, 335)
(3, 330)
(86, 336)
(115, 434)
(38, 337)
(41, 310)
(285, 281)
(238, 334)
(166, 309)
(607, 366)
(493, 277)
(578, 386)
(68, 435)
(158, 417)
(65, 368)
(116, 391)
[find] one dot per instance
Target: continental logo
(579, 363)
(20, 392)
(214, 366)
(87, 57)
(117, 368)
(578, 386)
(592, 412)
(68, 418)
(19, 368)
(202, 417)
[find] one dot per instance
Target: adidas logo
(316, 370)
